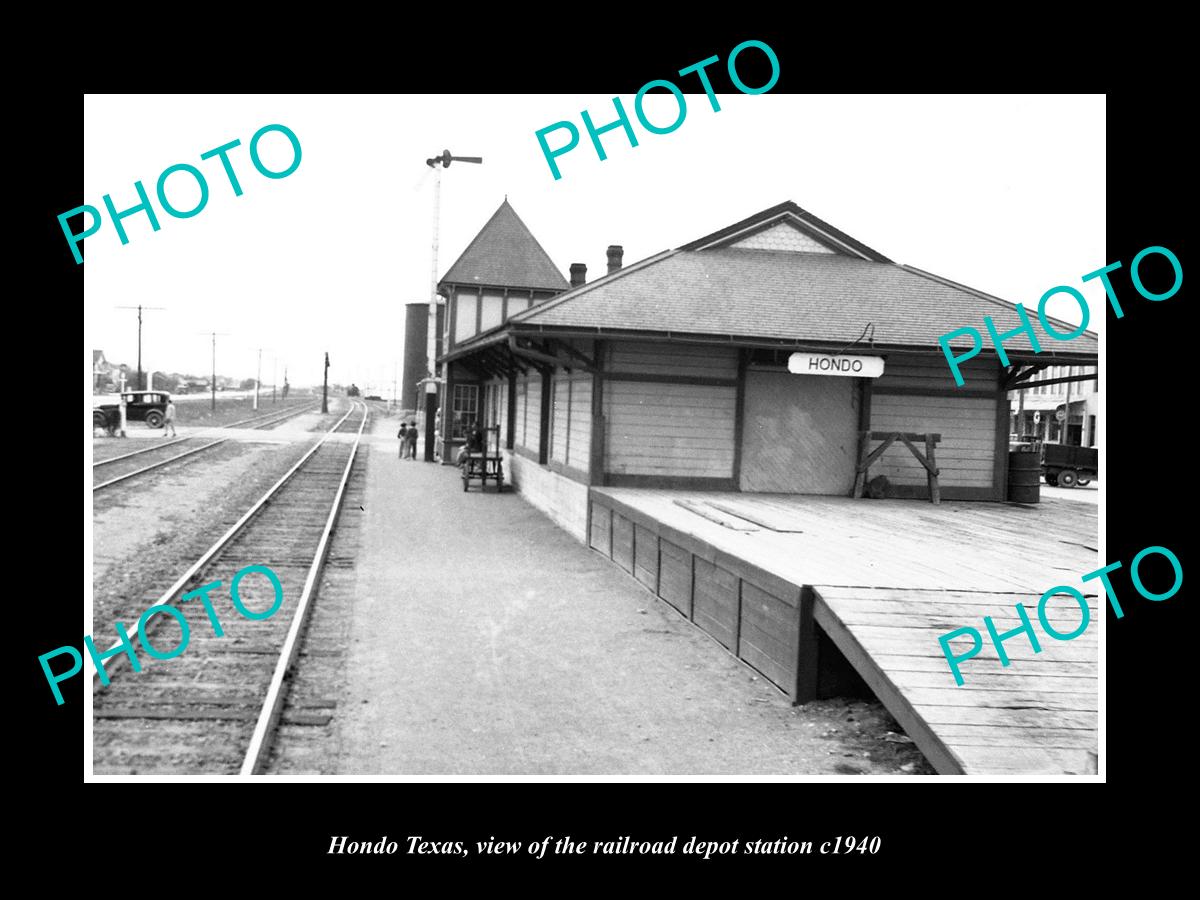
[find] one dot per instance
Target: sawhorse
(888, 437)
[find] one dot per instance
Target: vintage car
(140, 406)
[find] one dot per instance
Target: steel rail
(143, 469)
(169, 596)
(105, 462)
(268, 717)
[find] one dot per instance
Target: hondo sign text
(622, 119)
(830, 364)
(185, 171)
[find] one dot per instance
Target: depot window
(464, 410)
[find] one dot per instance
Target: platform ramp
(1038, 715)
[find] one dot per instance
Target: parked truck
(1066, 466)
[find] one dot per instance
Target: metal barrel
(1024, 477)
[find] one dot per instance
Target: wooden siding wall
(580, 447)
(966, 456)
(917, 393)
(673, 360)
(931, 373)
(533, 415)
(529, 413)
(571, 421)
(673, 424)
(669, 429)
(520, 413)
(559, 418)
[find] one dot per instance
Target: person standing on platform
(403, 435)
(169, 418)
(412, 441)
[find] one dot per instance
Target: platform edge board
(1017, 720)
(904, 662)
(1079, 701)
(986, 735)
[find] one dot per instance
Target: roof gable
(768, 229)
(781, 236)
(505, 254)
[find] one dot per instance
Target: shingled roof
(740, 293)
(506, 254)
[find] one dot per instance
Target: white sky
(1006, 194)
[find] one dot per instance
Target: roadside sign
(1060, 415)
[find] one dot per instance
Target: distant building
(1036, 414)
(101, 372)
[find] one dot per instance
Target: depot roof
(785, 276)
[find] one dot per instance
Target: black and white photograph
(698, 432)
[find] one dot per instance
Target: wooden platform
(769, 576)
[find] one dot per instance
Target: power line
(214, 362)
(141, 382)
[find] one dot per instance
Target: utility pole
(395, 369)
(141, 384)
(214, 363)
(274, 375)
(1066, 423)
(325, 389)
(431, 338)
(258, 378)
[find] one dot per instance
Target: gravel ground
(146, 532)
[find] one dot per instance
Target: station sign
(828, 364)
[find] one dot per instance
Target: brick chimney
(578, 274)
(615, 252)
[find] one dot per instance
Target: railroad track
(214, 708)
(271, 419)
(139, 462)
(169, 453)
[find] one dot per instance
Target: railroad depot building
(672, 372)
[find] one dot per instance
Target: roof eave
(750, 340)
